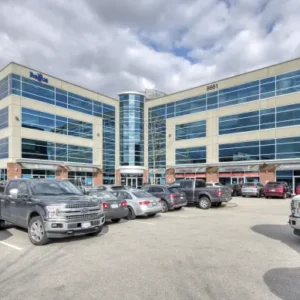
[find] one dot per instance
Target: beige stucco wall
(212, 138)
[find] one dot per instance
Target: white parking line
(11, 246)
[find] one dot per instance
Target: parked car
(277, 189)
(236, 189)
(49, 208)
(298, 189)
(115, 187)
(252, 189)
(171, 196)
(202, 196)
(114, 208)
(140, 203)
(294, 218)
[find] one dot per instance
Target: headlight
(53, 211)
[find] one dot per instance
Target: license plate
(85, 225)
(272, 190)
(181, 198)
(114, 206)
(154, 203)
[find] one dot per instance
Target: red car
(298, 190)
(276, 189)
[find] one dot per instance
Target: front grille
(293, 206)
(83, 217)
(81, 205)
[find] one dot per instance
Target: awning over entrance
(253, 168)
(82, 169)
(39, 166)
(288, 167)
(190, 170)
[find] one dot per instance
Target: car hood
(64, 199)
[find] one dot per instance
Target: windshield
(54, 188)
(174, 190)
(141, 194)
(250, 184)
(104, 195)
(274, 184)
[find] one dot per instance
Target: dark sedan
(236, 189)
(113, 208)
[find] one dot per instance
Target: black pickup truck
(49, 208)
(204, 196)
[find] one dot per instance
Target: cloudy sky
(115, 45)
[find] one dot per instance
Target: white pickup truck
(294, 219)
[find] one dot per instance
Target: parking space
(244, 250)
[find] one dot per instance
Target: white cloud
(112, 46)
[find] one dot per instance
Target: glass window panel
(4, 118)
(4, 148)
(98, 108)
(191, 155)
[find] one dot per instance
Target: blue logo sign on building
(39, 77)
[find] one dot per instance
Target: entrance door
(39, 176)
(237, 180)
(132, 181)
(296, 183)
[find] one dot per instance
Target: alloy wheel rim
(164, 206)
(37, 231)
(203, 203)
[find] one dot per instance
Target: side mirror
(13, 194)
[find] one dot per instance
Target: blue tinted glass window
(288, 83)
(4, 148)
(38, 149)
(239, 123)
(288, 148)
(37, 91)
(212, 100)
(4, 88)
(80, 103)
(15, 84)
(98, 109)
(191, 155)
(61, 125)
(170, 110)
(267, 118)
(61, 98)
(38, 120)
(288, 115)
(267, 90)
(191, 130)
(4, 118)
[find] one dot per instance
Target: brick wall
(212, 177)
(98, 178)
(14, 170)
(145, 176)
(118, 177)
(170, 176)
(267, 174)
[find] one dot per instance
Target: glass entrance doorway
(237, 180)
(132, 181)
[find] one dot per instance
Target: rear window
(250, 184)
(209, 184)
(118, 188)
(104, 195)
(174, 190)
(274, 184)
(141, 194)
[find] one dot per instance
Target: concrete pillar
(14, 170)
(170, 176)
(61, 173)
(98, 178)
(267, 173)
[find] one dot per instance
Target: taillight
(231, 190)
(124, 204)
(146, 202)
(219, 193)
(104, 205)
(173, 196)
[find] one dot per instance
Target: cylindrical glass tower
(132, 137)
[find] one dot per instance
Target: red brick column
(267, 173)
(212, 175)
(14, 170)
(118, 177)
(170, 176)
(98, 178)
(61, 173)
(145, 176)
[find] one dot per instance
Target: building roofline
(131, 92)
(225, 78)
(68, 82)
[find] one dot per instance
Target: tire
(284, 196)
(204, 203)
(36, 232)
(243, 196)
(151, 215)
(178, 208)
(164, 205)
(96, 232)
(2, 224)
(266, 197)
(115, 220)
(131, 214)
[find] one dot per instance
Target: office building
(239, 129)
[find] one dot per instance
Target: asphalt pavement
(244, 250)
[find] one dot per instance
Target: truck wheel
(2, 224)
(204, 203)
(284, 196)
(36, 232)
(131, 214)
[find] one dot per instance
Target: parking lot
(244, 250)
